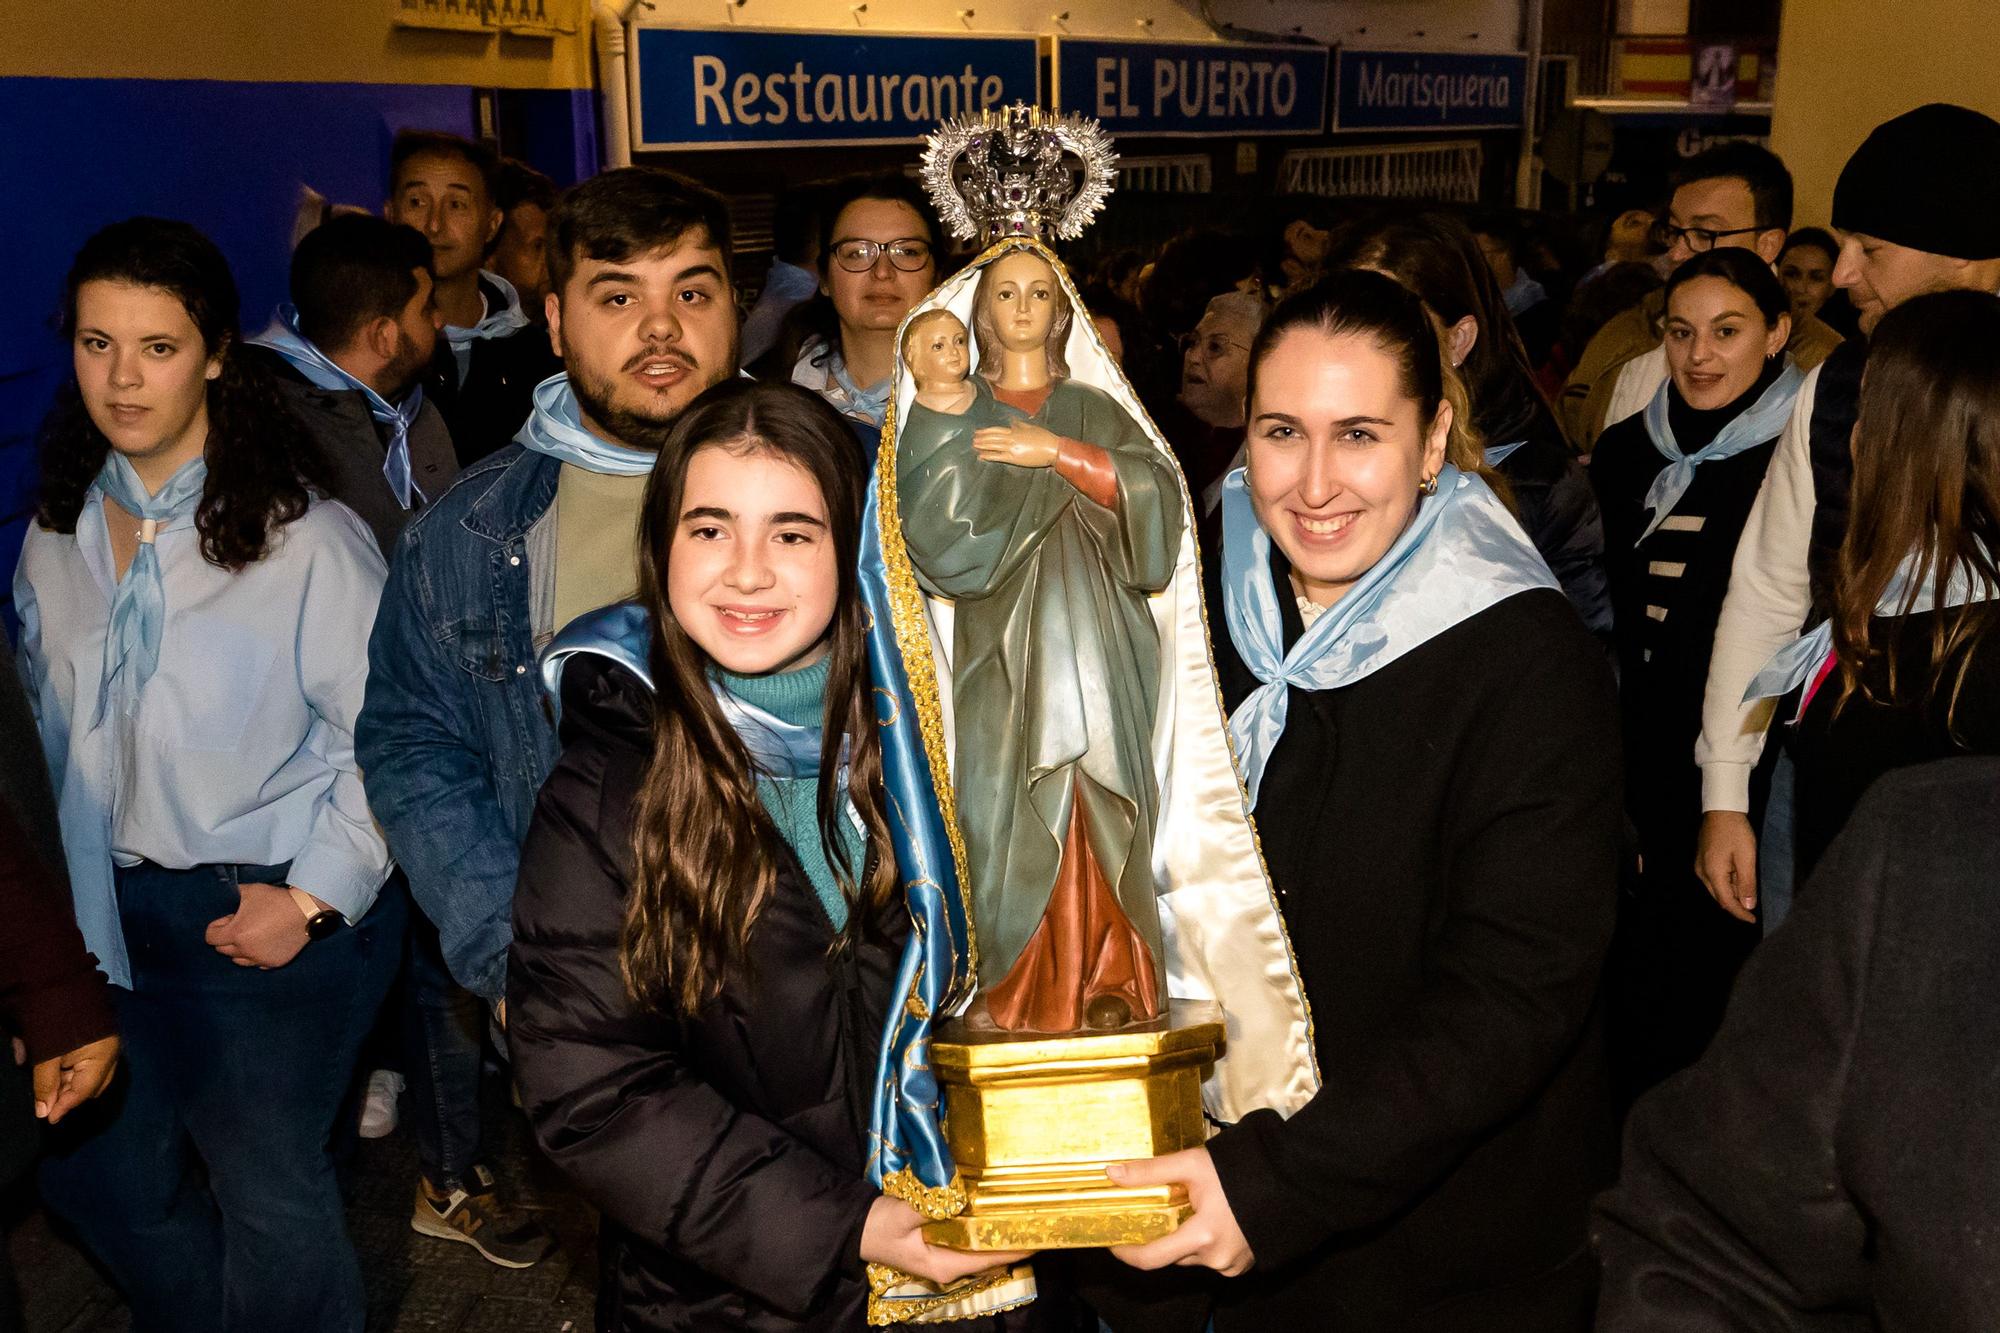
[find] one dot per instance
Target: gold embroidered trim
(935, 1202)
(883, 1311)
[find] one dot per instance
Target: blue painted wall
(228, 157)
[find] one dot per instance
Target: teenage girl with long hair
(709, 917)
(1914, 671)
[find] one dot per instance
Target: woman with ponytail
(194, 635)
(1429, 738)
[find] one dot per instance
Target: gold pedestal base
(1032, 1122)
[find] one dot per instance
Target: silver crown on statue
(1018, 171)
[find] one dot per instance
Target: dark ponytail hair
(262, 465)
(1741, 269)
(1436, 256)
(1362, 303)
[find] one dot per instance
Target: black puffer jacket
(725, 1152)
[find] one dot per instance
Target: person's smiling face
(751, 574)
(1337, 453)
(1717, 341)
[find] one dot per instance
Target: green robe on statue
(1055, 653)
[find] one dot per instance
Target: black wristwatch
(319, 924)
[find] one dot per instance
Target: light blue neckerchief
(496, 324)
(778, 748)
(1524, 293)
(1461, 553)
(623, 633)
(1496, 454)
(556, 428)
(139, 604)
(832, 381)
(284, 338)
(1800, 660)
(871, 405)
(1763, 420)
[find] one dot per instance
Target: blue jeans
(242, 1071)
(444, 1027)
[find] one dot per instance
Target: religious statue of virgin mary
(1073, 838)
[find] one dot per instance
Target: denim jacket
(455, 738)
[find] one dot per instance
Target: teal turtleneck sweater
(799, 697)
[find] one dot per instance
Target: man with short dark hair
(491, 356)
(1734, 194)
(349, 355)
(521, 253)
(454, 738)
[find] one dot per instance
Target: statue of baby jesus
(937, 351)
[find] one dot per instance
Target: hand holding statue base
(1033, 1123)
(1068, 822)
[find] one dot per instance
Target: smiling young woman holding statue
(1430, 739)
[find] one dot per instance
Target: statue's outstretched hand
(1023, 444)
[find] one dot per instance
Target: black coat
(1559, 513)
(1678, 953)
(726, 1151)
(1829, 1165)
(1444, 837)
(485, 411)
(353, 446)
(1838, 756)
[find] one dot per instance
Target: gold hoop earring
(1429, 485)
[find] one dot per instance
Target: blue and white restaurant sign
(695, 88)
(1428, 90)
(1139, 89)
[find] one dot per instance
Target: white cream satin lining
(1225, 938)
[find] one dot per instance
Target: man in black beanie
(1918, 209)
(1918, 206)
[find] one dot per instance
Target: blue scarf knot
(139, 604)
(1461, 553)
(555, 428)
(497, 323)
(1801, 659)
(623, 633)
(284, 338)
(1762, 420)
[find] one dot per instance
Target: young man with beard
(454, 738)
(491, 356)
(1918, 210)
(349, 355)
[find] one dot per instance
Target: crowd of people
(1584, 609)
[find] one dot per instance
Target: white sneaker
(378, 1106)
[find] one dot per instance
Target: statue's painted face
(1021, 296)
(937, 351)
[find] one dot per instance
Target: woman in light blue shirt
(195, 622)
